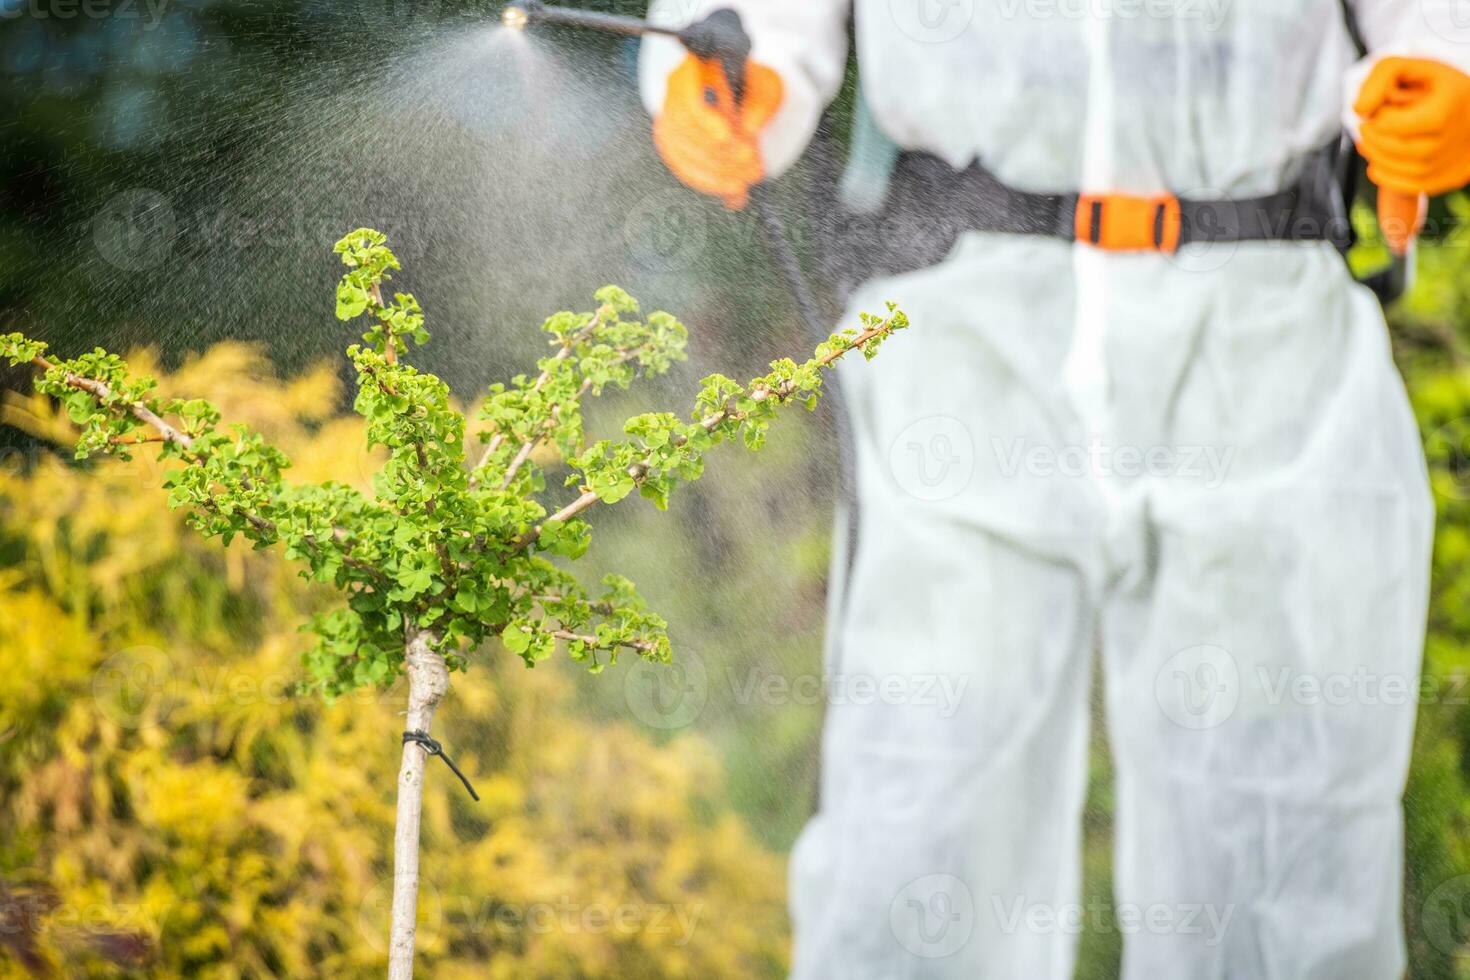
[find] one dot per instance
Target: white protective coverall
(1205, 459)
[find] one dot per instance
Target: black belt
(930, 204)
(979, 201)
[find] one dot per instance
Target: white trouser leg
(951, 815)
(955, 749)
(1262, 660)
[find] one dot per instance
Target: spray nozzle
(721, 37)
(521, 14)
(718, 37)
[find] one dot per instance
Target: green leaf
(516, 639)
(352, 300)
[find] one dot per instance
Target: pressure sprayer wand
(524, 13)
(720, 36)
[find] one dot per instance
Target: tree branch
(529, 446)
(390, 353)
(592, 641)
(709, 423)
(568, 345)
(166, 433)
(138, 410)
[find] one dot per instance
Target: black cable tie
(432, 747)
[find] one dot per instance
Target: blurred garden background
(172, 176)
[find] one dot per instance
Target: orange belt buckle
(1121, 223)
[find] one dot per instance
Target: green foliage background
(1432, 337)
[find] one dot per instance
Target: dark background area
(174, 176)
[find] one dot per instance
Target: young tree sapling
(446, 553)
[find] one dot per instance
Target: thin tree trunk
(428, 682)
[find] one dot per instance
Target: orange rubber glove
(708, 141)
(1416, 138)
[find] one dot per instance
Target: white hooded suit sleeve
(805, 41)
(1437, 29)
(1434, 29)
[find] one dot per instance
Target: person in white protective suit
(1187, 448)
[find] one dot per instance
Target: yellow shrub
(158, 778)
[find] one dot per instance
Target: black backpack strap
(1392, 281)
(1354, 29)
